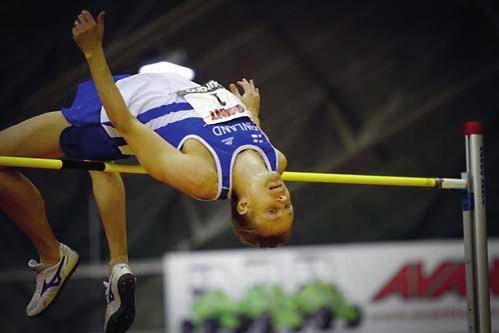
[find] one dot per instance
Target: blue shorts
(86, 139)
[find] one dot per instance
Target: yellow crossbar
(359, 179)
(287, 176)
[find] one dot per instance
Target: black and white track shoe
(50, 280)
(120, 298)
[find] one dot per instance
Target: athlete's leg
(19, 198)
(109, 193)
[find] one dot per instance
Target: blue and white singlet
(175, 108)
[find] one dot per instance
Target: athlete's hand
(88, 33)
(250, 96)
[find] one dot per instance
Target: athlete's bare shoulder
(282, 162)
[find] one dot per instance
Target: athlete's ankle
(121, 259)
(50, 255)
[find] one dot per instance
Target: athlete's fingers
(88, 16)
(77, 26)
(255, 89)
(245, 85)
(100, 18)
(82, 19)
(234, 90)
(250, 84)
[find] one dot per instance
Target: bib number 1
(214, 103)
(219, 100)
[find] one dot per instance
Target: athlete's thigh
(35, 137)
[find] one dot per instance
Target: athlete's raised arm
(160, 159)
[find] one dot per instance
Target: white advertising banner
(385, 287)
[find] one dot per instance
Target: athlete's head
(263, 215)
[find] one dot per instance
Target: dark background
(369, 87)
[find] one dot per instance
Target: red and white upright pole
(475, 231)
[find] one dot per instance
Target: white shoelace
(38, 269)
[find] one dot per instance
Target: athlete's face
(270, 203)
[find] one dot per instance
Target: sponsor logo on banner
(411, 282)
(417, 287)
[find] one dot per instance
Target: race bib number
(214, 103)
